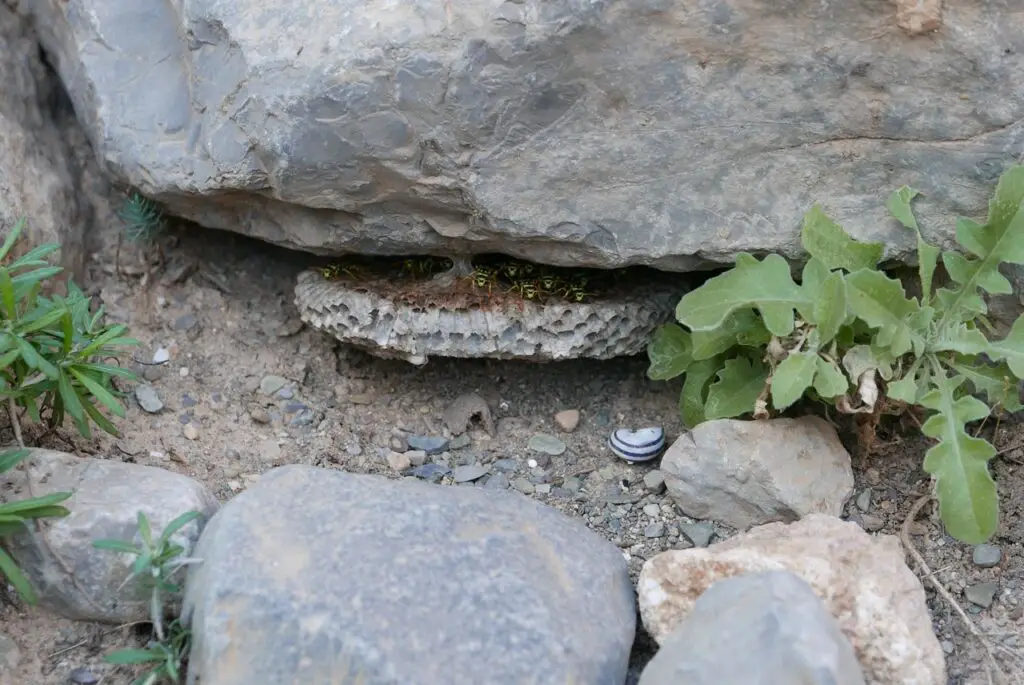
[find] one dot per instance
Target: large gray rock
(745, 473)
(662, 132)
(107, 497)
(756, 629)
(316, 576)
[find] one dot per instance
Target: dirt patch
(223, 310)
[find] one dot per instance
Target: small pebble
(523, 485)
(460, 442)
(698, 533)
(987, 556)
(981, 594)
(652, 510)
(654, 530)
(431, 444)
(543, 489)
(568, 419)
(431, 472)
(417, 457)
(654, 481)
(398, 443)
(271, 384)
(506, 465)
(183, 371)
(361, 398)
(83, 676)
(572, 484)
(864, 499)
(259, 414)
(546, 444)
(466, 474)
(148, 399)
(872, 523)
(498, 481)
(190, 431)
(161, 356)
(947, 646)
(531, 463)
(399, 461)
(185, 322)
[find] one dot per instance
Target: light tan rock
(568, 419)
(863, 580)
(918, 16)
(747, 473)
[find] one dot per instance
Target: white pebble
(183, 371)
(161, 355)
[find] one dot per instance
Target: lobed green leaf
(826, 241)
(881, 302)
(739, 383)
(669, 352)
(968, 502)
(927, 255)
(695, 386)
(830, 308)
(764, 285)
(829, 380)
(743, 327)
(792, 377)
(1000, 239)
(1011, 348)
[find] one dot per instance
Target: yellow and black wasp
(333, 272)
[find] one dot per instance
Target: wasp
(575, 293)
(549, 283)
(528, 290)
(485, 277)
(333, 272)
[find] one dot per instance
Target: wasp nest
(441, 324)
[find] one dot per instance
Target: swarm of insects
(537, 282)
(492, 278)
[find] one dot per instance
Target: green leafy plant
(156, 562)
(53, 349)
(52, 364)
(15, 515)
(754, 341)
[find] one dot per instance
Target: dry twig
(994, 671)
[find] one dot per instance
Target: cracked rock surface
(386, 327)
(670, 134)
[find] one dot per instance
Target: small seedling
(156, 562)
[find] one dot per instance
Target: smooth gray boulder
(756, 629)
(599, 133)
(107, 497)
(319, 576)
